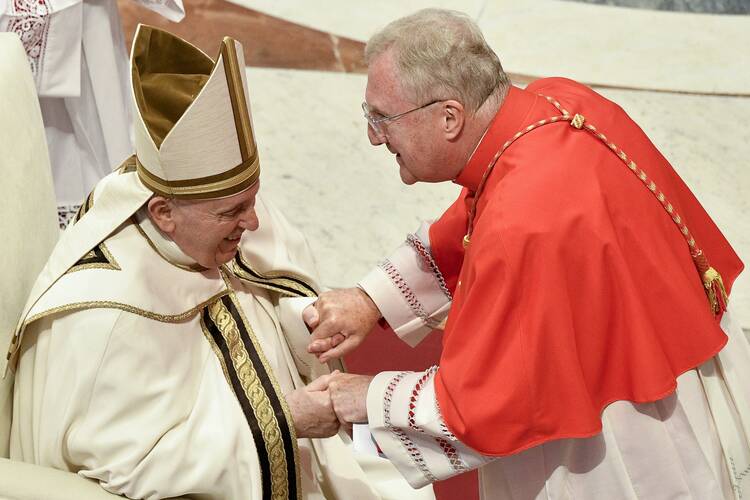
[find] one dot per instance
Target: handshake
(339, 321)
(327, 403)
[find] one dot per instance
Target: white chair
(29, 230)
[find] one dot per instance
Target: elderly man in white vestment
(161, 352)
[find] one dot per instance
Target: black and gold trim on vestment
(285, 284)
(253, 383)
(97, 258)
(109, 304)
(127, 166)
(85, 207)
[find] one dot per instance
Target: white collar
(163, 244)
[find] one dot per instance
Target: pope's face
(209, 231)
(415, 137)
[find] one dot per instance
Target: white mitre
(193, 140)
(188, 145)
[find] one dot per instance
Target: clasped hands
(329, 402)
(340, 320)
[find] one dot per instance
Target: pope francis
(161, 352)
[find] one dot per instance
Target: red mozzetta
(577, 289)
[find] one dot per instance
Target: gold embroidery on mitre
(168, 76)
(236, 87)
(227, 183)
(167, 73)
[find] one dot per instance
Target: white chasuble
(158, 379)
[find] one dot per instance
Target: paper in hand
(363, 442)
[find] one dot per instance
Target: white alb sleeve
(51, 35)
(405, 420)
(409, 289)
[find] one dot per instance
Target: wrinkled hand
(340, 319)
(349, 397)
(312, 409)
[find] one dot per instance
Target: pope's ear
(161, 212)
(453, 119)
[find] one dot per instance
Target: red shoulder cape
(577, 289)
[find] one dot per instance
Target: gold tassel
(717, 294)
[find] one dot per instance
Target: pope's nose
(249, 220)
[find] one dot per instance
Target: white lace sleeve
(409, 289)
(405, 420)
(50, 32)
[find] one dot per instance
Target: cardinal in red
(589, 349)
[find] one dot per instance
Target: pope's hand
(349, 397)
(340, 319)
(312, 409)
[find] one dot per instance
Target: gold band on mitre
(237, 94)
(222, 185)
(193, 116)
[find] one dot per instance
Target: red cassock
(577, 289)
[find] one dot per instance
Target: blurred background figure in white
(77, 53)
